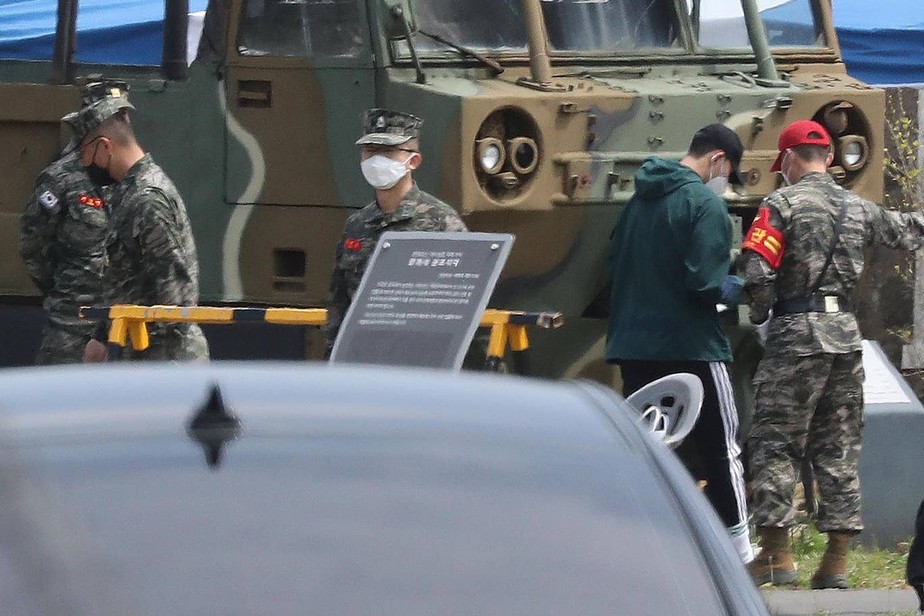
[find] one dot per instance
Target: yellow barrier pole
(118, 338)
(129, 321)
(296, 316)
(497, 344)
(519, 343)
(138, 332)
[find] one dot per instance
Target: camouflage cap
(100, 100)
(390, 128)
(73, 120)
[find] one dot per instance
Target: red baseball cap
(803, 132)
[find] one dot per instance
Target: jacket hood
(658, 177)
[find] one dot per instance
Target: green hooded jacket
(670, 252)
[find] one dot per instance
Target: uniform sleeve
(454, 223)
(436, 216)
(38, 233)
(759, 276)
(163, 249)
(759, 288)
(707, 261)
(338, 300)
(894, 229)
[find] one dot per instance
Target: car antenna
(212, 426)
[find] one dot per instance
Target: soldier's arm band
(764, 239)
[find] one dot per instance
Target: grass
(866, 568)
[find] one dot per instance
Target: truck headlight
(506, 156)
(490, 154)
(852, 152)
(524, 155)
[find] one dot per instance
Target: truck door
(299, 75)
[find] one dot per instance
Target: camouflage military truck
(537, 112)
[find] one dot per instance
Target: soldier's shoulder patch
(48, 200)
(90, 200)
(352, 244)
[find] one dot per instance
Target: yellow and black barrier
(129, 323)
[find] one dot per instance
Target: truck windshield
(573, 25)
(789, 23)
(307, 28)
(606, 25)
(489, 25)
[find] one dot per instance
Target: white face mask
(717, 183)
(382, 172)
(783, 174)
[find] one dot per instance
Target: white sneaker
(740, 536)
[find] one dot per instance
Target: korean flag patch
(48, 200)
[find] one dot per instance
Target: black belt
(813, 303)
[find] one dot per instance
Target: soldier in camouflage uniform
(150, 252)
(390, 151)
(61, 245)
(801, 259)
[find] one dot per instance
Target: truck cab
(537, 115)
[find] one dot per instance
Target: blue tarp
(108, 31)
(882, 43)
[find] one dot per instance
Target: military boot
(774, 563)
(832, 573)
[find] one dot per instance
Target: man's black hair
(812, 153)
(719, 137)
(118, 128)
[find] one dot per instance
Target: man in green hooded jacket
(671, 255)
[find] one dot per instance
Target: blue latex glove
(731, 290)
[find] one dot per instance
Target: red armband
(764, 239)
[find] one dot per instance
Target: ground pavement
(840, 602)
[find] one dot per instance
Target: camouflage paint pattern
(261, 147)
(811, 405)
(100, 100)
(61, 245)
(63, 340)
(417, 211)
(805, 213)
(809, 396)
(151, 259)
(387, 127)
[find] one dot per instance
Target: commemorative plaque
(421, 299)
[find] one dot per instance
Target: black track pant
(715, 434)
(915, 567)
